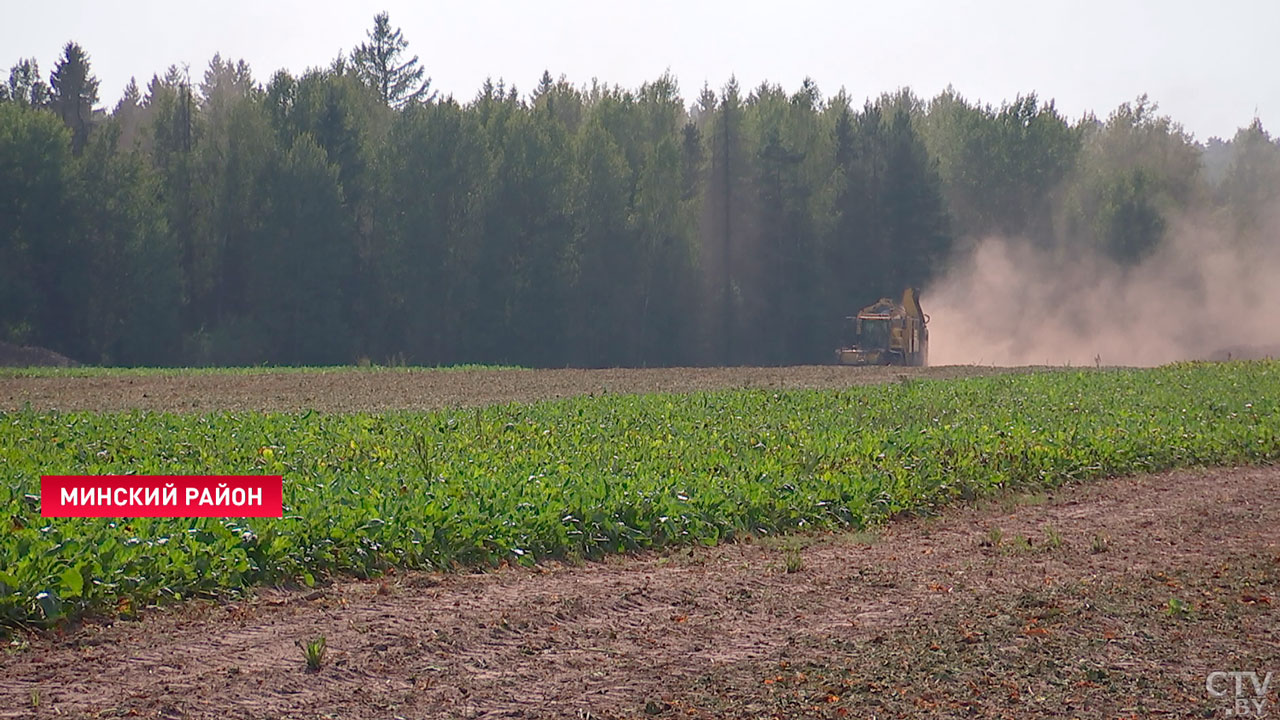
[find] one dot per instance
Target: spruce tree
(378, 64)
(75, 91)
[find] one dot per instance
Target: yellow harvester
(887, 333)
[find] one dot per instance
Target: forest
(351, 215)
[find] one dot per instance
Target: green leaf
(72, 582)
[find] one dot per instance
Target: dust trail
(1206, 293)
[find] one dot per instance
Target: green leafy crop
(588, 476)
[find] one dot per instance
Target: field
(820, 605)
(383, 389)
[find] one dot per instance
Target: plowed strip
(374, 390)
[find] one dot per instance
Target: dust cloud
(1206, 293)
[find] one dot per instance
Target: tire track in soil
(607, 639)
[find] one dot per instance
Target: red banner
(161, 496)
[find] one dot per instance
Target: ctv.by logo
(1246, 691)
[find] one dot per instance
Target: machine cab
(870, 333)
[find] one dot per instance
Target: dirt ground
(26, 356)
(374, 390)
(1114, 599)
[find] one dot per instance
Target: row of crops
(587, 476)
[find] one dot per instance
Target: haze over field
(1199, 297)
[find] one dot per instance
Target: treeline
(350, 213)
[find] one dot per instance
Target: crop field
(587, 476)
(682, 543)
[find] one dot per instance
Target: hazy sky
(1211, 66)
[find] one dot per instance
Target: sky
(1209, 66)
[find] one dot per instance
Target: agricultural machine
(887, 333)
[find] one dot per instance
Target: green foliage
(588, 476)
(313, 652)
(1252, 178)
(300, 311)
(432, 202)
(605, 252)
(1128, 223)
(26, 86)
(1134, 170)
(347, 213)
(794, 561)
(127, 301)
(1178, 608)
(75, 92)
(1001, 166)
(378, 64)
(36, 187)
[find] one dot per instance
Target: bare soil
(1113, 599)
(349, 390)
(28, 356)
